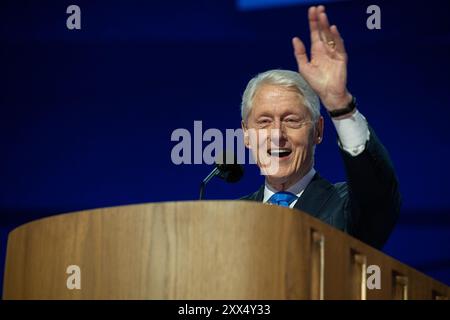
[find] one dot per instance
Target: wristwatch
(340, 112)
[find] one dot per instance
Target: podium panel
(200, 250)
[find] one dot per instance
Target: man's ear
(318, 135)
(246, 134)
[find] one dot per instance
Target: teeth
(279, 151)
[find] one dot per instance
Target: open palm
(326, 72)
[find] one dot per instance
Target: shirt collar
(296, 188)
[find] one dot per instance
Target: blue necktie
(282, 198)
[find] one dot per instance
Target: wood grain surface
(198, 250)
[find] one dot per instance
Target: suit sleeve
(374, 198)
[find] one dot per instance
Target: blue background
(86, 116)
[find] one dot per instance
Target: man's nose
(277, 133)
(277, 125)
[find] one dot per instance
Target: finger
(324, 27)
(313, 24)
(337, 39)
(300, 52)
(320, 9)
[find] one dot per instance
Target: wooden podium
(201, 250)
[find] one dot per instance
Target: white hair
(285, 78)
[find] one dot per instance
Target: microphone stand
(206, 180)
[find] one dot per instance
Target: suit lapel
(315, 196)
(312, 200)
(258, 195)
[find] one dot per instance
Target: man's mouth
(280, 153)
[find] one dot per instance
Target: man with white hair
(282, 125)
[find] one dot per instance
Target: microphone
(226, 168)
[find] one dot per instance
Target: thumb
(300, 52)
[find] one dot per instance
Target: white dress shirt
(296, 189)
(353, 133)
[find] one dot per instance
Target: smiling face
(281, 133)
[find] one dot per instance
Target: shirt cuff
(353, 133)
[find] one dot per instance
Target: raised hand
(326, 72)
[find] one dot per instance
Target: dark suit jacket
(366, 206)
